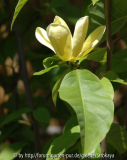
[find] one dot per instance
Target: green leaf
(46, 70)
(99, 55)
(92, 104)
(58, 3)
(12, 151)
(94, 1)
(19, 6)
(96, 15)
(51, 61)
(63, 142)
(13, 116)
(117, 137)
(108, 86)
(56, 87)
(96, 151)
(41, 115)
(112, 76)
(70, 124)
(119, 62)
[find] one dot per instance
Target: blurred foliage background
(21, 131)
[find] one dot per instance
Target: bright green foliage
(85, 102)
(117, 136)
(11, 151)
(108, 86)
(41, 115)
(62, 143)
(92, 104)
(45, 70)
(94, 1)
(19, 6)
(50, 61)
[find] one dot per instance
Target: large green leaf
(117, 136)
(92, 104)
(112, 76)
(12, 151)
(13, 116)
(96, 15)
(56, 87)
(62, 143)
(41, 115)
(108, 86)
(19, 6)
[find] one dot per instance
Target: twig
(109, 58)
(45, 99)
(121, 37)
(26, 84)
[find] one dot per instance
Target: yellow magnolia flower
(58, 38)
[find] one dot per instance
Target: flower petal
(59, 20)
(60, 38)
(42, 37)
(92, 40)
(81, 28)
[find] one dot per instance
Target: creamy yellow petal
(59, 20)
(92, 40)
(42, 37)
(81, 28)
(60, 38)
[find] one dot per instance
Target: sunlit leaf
(92, 104)
(63, 142)
(45, 70)
(108, 86)
(94, 1)
(10, 152)
(19, 6)
(50, 61)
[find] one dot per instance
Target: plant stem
(109, 58)
(109, 35)
(26, 84)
